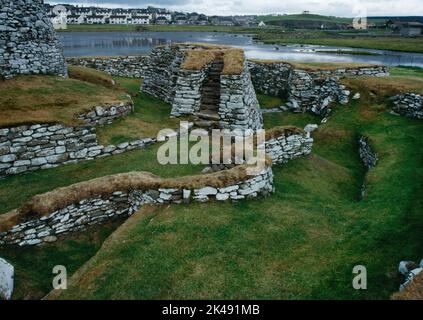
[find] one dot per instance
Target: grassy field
(49, 99)
(300, 243)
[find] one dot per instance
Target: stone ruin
(211, 83)
(28, 43)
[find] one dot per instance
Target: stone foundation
(409, 105)
(28, 43)
(96, 210)
(306, 90)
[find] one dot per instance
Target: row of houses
(94, 15)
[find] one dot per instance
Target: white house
(118, 19)
(261, 24)
(165, 15)
(75, 19)
(140, 20)
(95, 19)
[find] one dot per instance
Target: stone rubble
(369, 159)
(367, 155)
(307, 90)
(408, 104)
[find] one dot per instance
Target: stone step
(206, 124)
(208, 115)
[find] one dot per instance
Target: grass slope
(49, 99)
(300, 243)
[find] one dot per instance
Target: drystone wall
(162, 73)
(121, 66)
(97, 210)
(369, 158)
(307, 90)
(409, 104)
(289, 146)
(106, 115)
(307, 94)
(271, 78)
(239, 107)
(43, 146)
(187, 97)
(367, 155)
(28, 43)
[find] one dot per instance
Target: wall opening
(210, 94)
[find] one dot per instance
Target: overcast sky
(344, 8)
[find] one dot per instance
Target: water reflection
(133, 43)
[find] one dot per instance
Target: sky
(340, 8)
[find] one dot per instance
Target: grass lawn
(49, 99)
(378, 43)
(300, 243)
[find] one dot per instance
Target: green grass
(149, 117)
(34, 266)
(49, 99)
(300, 243)
(268, 102)
(378, 43)
(407, 71)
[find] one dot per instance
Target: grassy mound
(48, 99)
(91, 76)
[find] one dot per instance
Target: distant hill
(409, 18)
(304, 17)
(315, 20)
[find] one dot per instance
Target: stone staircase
(208, 116)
